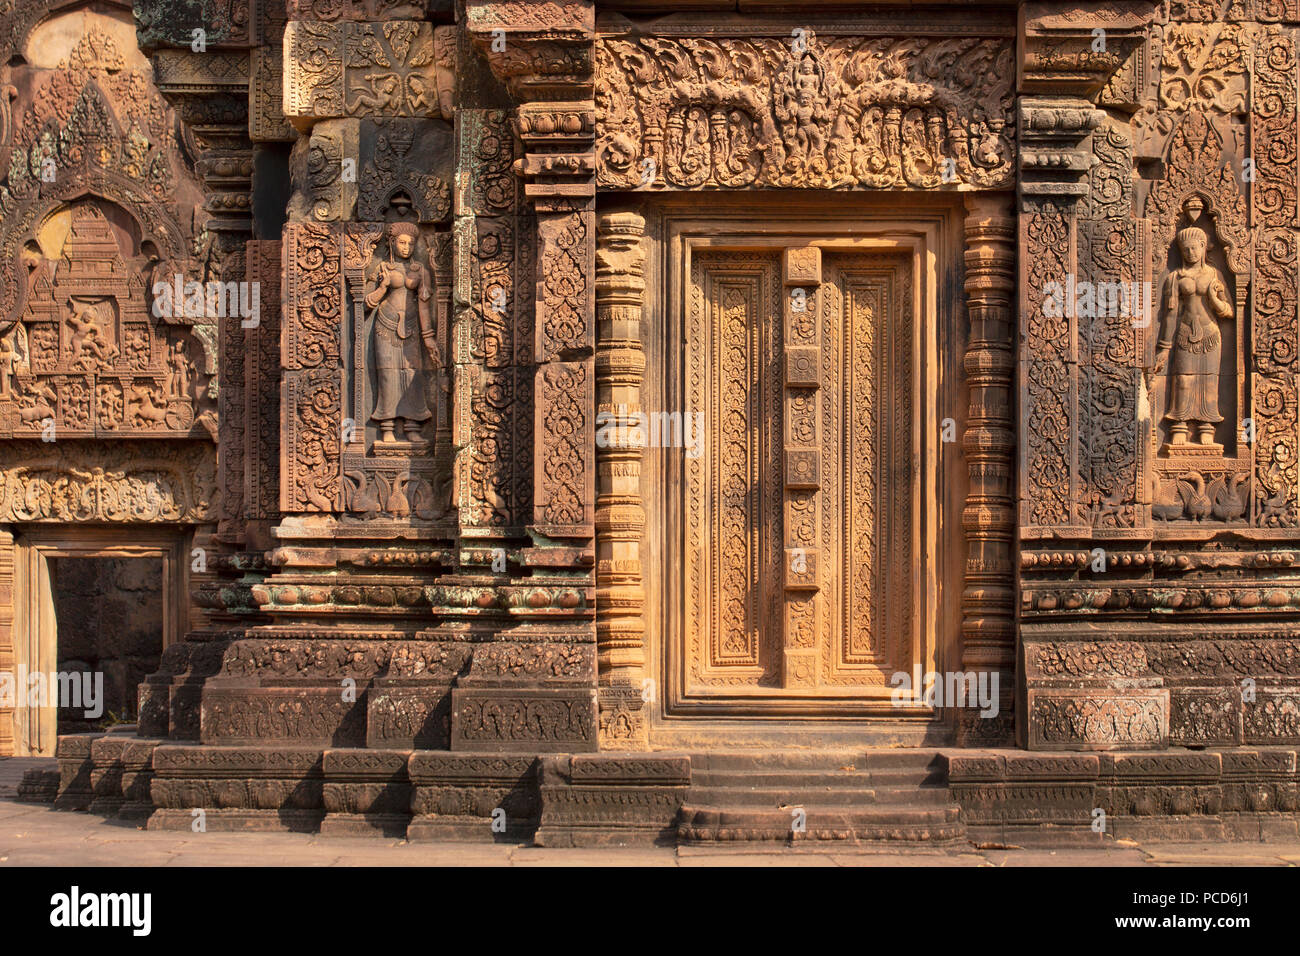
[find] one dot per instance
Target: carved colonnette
(620, 514)
(988, 627)
(1158, 500)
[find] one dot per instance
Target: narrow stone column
(620, 512)
(988, 608)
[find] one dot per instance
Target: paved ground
(35, 835)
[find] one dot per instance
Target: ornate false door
(797, 505)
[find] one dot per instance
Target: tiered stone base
(901, 798)
(590, 799)
(1234, 794)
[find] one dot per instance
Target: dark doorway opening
(109, 613)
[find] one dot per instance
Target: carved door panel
(797, 511)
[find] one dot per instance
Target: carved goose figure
(398, 505)
(1198, 502)
(364, 499)
(1230, 503)
(1167, 506)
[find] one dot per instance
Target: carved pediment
(87, 356)
(808, 111)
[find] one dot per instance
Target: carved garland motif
(121, 482)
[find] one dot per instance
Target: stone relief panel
(119, 482)
(813, 111)
(369, 169)
(1205, 422)
(1161, 426)
(399, 398)
(347, 68)
(367, 403)
(88, 357)
(105, 329)
(1165, 379)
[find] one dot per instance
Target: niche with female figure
(395, 457)
(1196, 351)
(1202, 434)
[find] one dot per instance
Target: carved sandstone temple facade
(615, 399)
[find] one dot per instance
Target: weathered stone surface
(611, 799)
(556, 410)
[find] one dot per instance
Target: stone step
(879, 796)
(800, 779)
(740, 796)
(700, 823)
(798, 760)
(15, 771)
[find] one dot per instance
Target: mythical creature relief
(843, 112)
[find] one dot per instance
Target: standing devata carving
(1194, 298)
(399, 296)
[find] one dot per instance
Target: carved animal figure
(144, 412)
(44, 402)
(1230, 503)
(1198, 502)
(364, 499)
(398, 505)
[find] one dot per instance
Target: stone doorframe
(972, 378)
(34, 631)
